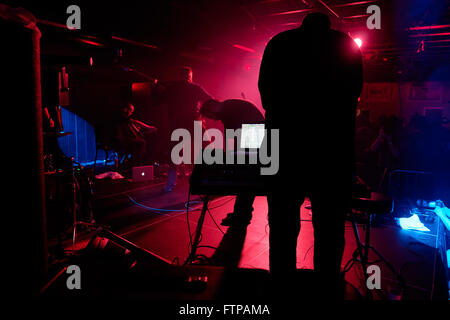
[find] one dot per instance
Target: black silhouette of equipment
(366, 207)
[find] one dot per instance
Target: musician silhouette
(183, 98)
(233, 113)
(130, 135)
(310, 80)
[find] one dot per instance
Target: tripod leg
(198, 230)
(367, 240)
(362, 250)
(74, 208)
(358, 243)
(390, 266)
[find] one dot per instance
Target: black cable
(192, 259)
(209, 247)
(209, 212)
(222, 204)
(188, 226)
(307, 251)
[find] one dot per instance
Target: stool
(378, 203)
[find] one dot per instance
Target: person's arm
(375, 146)
(392, 148)
(203, 95)
(384, 138)
(266, 76)
(144, 125)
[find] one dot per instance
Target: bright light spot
(252, 135)
(358, 42)
(143, 173)
(448, 258)
(412, 223)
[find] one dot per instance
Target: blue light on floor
(443, 213)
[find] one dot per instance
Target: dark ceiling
(220, 32)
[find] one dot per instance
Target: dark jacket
(309, 84)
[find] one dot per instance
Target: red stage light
(358, 42)
(244, 48)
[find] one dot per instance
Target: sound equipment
(111, 244)
(228, 179)
(225, 179)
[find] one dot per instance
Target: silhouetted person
(183, 98)
(233, 113)
(365, 135)
(386, 149)
(310, 80)
(130, 135)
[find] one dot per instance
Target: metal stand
(77, 188)
(198, 231)
(361, 253)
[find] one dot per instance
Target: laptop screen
(252, 136)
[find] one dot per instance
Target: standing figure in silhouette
(233, 113)
(310, 80)
(130, 135)
(183, 98)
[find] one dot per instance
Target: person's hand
(383, 135)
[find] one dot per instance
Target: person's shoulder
(239, 102)
(283, 36)
(287, 34)
(194, 86)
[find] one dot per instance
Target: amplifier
(227, 179)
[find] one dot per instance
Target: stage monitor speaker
(106, 244)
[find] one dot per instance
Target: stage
(157, 221)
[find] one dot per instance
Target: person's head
(185, 73)
(128, 109)
(316, 22)
(211, 109)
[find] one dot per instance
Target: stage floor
(157, 222)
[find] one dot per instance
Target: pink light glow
(238, 46)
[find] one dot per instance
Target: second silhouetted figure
(310, 80)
